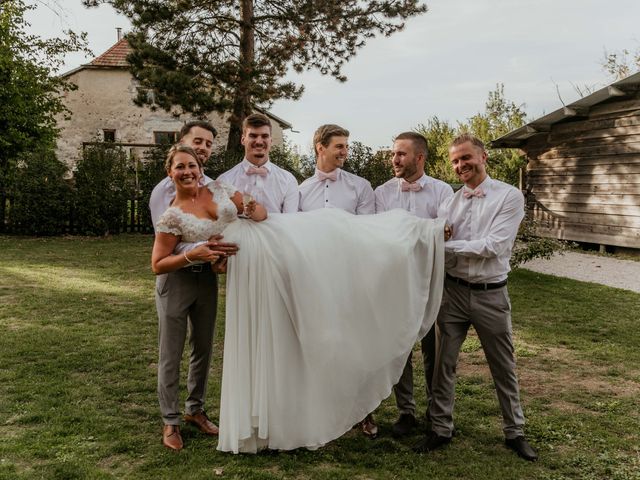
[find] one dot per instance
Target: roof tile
(116, 56)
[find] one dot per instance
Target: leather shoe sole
(171, 437)
(522, 448)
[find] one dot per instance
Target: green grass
(78, 360)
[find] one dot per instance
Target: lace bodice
(193, 229)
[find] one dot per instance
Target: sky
(444, 63)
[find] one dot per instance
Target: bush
(363, 162)
(104, 184)
(222, 160)
(286, 158)
(150, 172)
(41, 197)
(529, 245)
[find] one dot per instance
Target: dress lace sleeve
(221, 187)
(170, 222)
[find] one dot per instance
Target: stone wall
(104, 101)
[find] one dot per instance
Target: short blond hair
(467, 137)
(325, 132)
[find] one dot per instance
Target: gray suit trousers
(184, 300)
(403, 390)
(489, 311)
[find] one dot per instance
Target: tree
(375, 167)
(104, 183)
(29, 90)
(621, 64)
(439, 135)
(227, 55)
(500, 117)
(41, 197)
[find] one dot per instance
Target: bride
(322, 310)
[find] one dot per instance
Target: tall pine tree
(227, 55)
(30, 91)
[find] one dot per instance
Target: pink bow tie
(410, 187)
(478, 192)
(262, 171)
(333, 176)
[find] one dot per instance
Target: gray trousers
(403, 390)
(184, 299)
(489, 311)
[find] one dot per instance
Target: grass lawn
(78, 352)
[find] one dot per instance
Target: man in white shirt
(485, 215)
(330, 186)
(272, 186)
(192, 289)
(199, 135)
(421, 195)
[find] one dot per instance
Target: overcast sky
(444, 63)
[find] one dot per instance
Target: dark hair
(177, 148)
(419, 142)
(256, 120)
(467, 137)
(324, 133)
(186, 128)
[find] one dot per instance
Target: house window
(164, 138)
(109, 135)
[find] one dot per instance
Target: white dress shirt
(484, 230)
(423, 203)
(349, 192)
(277, 191)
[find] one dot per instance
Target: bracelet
(186, 258)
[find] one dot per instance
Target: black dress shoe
(430, 443)
(522, 448)
(404, 425)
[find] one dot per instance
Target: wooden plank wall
(583, 177)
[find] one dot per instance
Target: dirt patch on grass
(553, 372)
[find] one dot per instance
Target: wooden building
(582, 178)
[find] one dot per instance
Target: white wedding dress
(322, 309)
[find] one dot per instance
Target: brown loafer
(171, 437)
(202, 422)
(369, 427)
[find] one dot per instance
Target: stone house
(103, 110)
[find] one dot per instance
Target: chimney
(119, 30)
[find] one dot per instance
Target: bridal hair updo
(177, 148)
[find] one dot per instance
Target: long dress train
(322, 309)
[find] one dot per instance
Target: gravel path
(608, 271)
